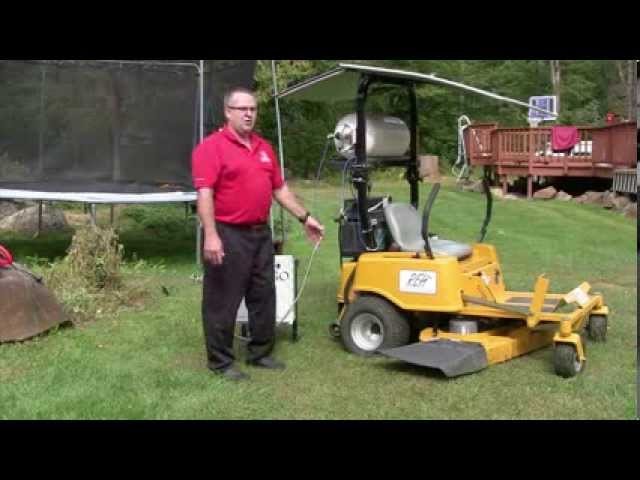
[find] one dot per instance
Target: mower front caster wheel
(334, 330)
(597, 328)
(372, 323)
(566, 361)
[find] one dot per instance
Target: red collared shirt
(242, 179)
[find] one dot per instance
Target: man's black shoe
(268, 362)
(232, 373)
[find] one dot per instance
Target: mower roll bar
(360, 170)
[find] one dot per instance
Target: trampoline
(108, 131)
(92, 130)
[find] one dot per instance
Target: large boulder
(26, 220)
(546, 193)
(470, 186)
(496, 192)
(596, 197)
(563, 196)
(77, 219)
(620, 202)
(9, 207)
(512, 196)
(607, 199)
(590, 197)
(631, 210)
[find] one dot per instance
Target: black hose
(425, 219)
(489, 197)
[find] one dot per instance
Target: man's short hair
(233, 90)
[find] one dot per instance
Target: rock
(546, 193)
(75, 219)
(590, 197)
(26, 220)
(620, 202)
(473, 186)
(497, 192)
(594, 197)
(631, 210)
(607, 199)
(7, 208)
(563, 196)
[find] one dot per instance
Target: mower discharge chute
(27, 307)
(396, 277)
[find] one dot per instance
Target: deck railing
(528, 151)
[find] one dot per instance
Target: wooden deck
(526, 152)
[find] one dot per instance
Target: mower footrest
(453, 358)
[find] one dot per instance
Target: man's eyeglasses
(244, 109)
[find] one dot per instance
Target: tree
(627, 71)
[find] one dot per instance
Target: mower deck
(455, 354)
(453, 358)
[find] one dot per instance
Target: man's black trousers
(247, 271)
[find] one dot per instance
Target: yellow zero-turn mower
(398, 278)
(458, 291)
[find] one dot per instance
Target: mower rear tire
(371, 323)
(565, 360)
(597, 328)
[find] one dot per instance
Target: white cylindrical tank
(386, 136)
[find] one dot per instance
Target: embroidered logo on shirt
(264, 158)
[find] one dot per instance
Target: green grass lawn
(149, 362)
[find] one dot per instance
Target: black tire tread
(564, 356)
(597, 328)
(396, 326)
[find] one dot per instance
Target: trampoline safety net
(108, 126)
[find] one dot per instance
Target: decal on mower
(418, 281)
(577, 295)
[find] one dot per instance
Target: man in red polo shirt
(236, 174)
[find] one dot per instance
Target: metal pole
(42, 121)
(280, 147)
(111, 214)
(199, 224)
(93, 214)
(39, 217)
(201, 72)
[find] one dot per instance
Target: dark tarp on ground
(27, 307)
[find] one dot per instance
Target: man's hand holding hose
(314, 230)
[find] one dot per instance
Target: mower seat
(405, 226)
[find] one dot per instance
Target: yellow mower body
(472, 288)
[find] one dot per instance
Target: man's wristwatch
(303, 219)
